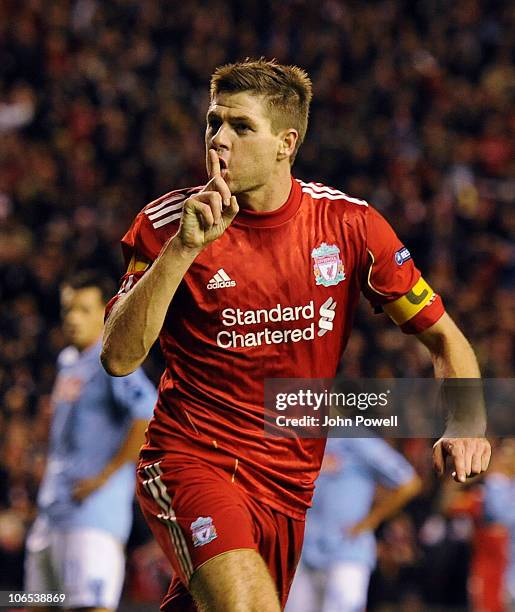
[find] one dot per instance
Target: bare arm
(463, 439)
(388, 506)
(451, 353)
(137, 318)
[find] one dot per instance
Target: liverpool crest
(328, 266)
(203, 531)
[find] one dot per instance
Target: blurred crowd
(102, 109)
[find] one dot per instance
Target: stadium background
(102, 107)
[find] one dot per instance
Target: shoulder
(318, 193)
(157, 221)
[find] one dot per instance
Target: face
(239, 130)
(83, 315)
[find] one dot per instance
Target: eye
(242, 128)
(213, 123)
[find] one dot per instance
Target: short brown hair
(86, 279)
(287, 90)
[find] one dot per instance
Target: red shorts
(197, 512)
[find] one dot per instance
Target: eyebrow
(236, 119)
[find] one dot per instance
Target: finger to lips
(215, 202)
(216, 179)
(213, 166)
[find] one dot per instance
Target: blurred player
(255, 275)
(499, 507)
(339, 546)
(76, 545)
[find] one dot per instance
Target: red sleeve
(385, 278)
(140, 246)
(392, 281)
(153, 226)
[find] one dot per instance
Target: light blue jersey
(92, 415)
(344, 494)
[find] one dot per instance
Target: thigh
(91, 567)
(347, 586)
(236, 581)
(39, 574)
(195, 514)
(280, 541)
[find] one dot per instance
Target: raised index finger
(213, 164)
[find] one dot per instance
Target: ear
(288, 140)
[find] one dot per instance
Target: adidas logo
(220, 280)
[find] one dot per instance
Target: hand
(360, 527)
(87, 486)
(471, 456)
(208, 214)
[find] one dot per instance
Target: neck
(269, 196)
(85, 347)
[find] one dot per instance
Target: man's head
(257, 118)
(83, 300)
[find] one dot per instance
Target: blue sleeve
(135, 393)
(499, 499)
(387, 466)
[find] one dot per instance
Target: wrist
(176, 246)
(372, 523)
(457, 429)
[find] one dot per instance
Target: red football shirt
(249, 308)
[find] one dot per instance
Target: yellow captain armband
(136, 266)
(406, 307)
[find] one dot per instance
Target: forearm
(451, 353)
(453, 358)
(128, 451)
(136, 320)
(393, 502)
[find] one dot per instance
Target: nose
(220, 140)
(71, 318)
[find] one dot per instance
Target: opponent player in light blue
(76, 545)
(339, 546)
